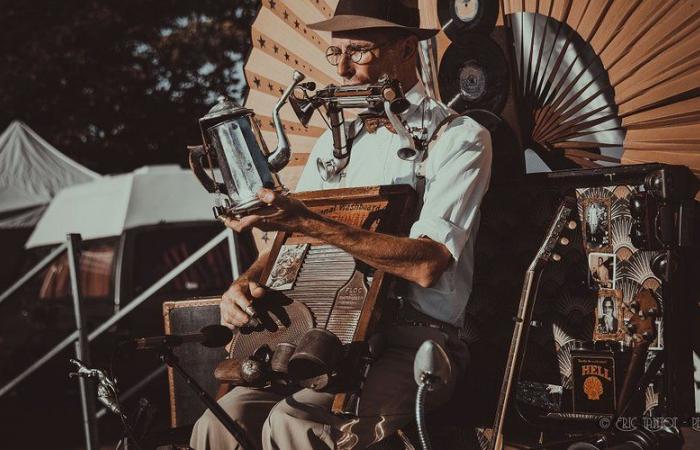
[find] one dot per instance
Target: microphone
(431, 366)
(431, 369)
(211, 336)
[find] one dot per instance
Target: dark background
(115, 85)
(118, 84)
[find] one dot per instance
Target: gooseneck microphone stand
(166, 355)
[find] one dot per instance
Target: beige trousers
(303, 420)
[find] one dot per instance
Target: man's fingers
(256, 290)
(234, 303)
(230, 326)
(232, 223)
(273, 198)
(233, 316)
(259, 219)
(266, 195)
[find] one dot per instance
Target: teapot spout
(279, 158)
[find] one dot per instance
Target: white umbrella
(32, 171)
(112, 204)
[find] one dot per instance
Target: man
(607, 323)
(601, 274)
(596, 225)
(370, 39)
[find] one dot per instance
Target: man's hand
(282, 213)
(237, 302)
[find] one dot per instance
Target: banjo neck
(524, 315)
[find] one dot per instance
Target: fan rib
(639, 67)
(570, 113)
(589, 155)
(682, 111)
(531, 88)
(614, 24)
(555, 71)
(647, 22)
(561, 112)
(542, 85)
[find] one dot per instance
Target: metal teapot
(233, 139)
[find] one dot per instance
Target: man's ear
(409, 45)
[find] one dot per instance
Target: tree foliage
(117, 84)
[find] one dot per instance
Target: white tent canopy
(32, 171)
(108, 206)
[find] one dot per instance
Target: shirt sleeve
(457, 177)
(310, 179)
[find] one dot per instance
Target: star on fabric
(256, 80)
(262, 42)
(273, 3)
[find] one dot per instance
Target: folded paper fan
(607, 79)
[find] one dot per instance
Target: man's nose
(345, 67)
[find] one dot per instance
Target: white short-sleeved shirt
(457, 173)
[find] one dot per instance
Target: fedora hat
(353, 15)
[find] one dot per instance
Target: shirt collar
(415, 96)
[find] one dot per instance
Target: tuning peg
(556, 257)
(572, 225)
(564, 240)
(663, 265)
(309, 85)
(654, 181)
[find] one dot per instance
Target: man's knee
(281, 419)
(287, 427)
(247, 407)
(207, 424)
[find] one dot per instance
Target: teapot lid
(224, 108)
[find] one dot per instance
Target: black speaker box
(190, 316)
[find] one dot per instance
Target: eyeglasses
(357, 55)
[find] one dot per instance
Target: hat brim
(351, 23)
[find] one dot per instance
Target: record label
(474, 75)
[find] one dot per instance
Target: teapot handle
(196, 155)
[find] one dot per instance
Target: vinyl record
(474, 75)
(460, 17)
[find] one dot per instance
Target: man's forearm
(419, 260)
(255, 270)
